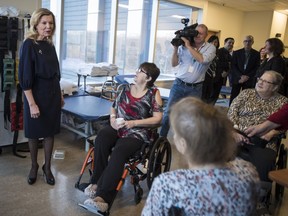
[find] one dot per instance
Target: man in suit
(244, 65)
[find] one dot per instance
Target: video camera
(188, 32)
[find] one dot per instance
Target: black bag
(254, 140)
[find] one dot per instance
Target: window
(46, 4)
(169, 21)
(132, 36)
(85, 34)
(91, 33)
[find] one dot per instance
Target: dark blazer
(237, 65)
(223, 63)
(277, 63)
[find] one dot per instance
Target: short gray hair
(206, 130)
(277, 77)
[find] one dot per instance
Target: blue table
(226, 90)
(164, 92)
(88, 109)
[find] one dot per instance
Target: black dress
(276, 63)
(39, 71)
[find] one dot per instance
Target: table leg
(79, 77)
(88, 126)
(84, 83)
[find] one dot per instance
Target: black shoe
(32, 180)
(51, 180)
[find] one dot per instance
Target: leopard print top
(250, 109)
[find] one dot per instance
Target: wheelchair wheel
(281, 164)
(282, 160)
(159, 160)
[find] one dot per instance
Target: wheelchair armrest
(282, 135)
(151, 126)
(255, 140)
(154, 126)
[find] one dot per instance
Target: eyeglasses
(265, 81)
(247, 41)
(140, 70)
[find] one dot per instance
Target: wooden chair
(280, 177)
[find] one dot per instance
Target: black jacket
(237, 65)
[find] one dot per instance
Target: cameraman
(193, 59)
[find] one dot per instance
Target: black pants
(263, 159)
(207, 89)
(107, 173)
(217, 89)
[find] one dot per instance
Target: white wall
(278, 24)
(259, 25)
(286, 42)
(226, 20)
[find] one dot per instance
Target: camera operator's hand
(186, 41)
(174, 59)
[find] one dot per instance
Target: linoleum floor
(17, 198)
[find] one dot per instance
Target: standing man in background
(223, 67)
(228, 45)
(244, 65)
(193, 60)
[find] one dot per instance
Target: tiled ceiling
(255, 5)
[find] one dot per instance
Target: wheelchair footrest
(82, 186)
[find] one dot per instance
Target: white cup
(120, 121)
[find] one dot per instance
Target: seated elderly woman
(278, 120)
(211, 185)
(252, 107)
(140, 106)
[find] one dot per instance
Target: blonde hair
(206, 130)
(34, 21)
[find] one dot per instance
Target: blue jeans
(177, 92)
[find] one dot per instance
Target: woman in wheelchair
(277, 120)
(252, 107)
(211, 185)
(140, 105)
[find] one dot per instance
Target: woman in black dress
(274, 48)
(39, 77)
(208, 84)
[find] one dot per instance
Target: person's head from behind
(151, 71)
(201, 132)
(42, 25)
(248, 42)
(213, 39)
(229, 43)
(269, 83)
(275, 46)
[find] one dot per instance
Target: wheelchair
(154, 157)
(279, 163)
